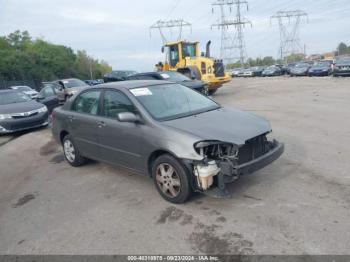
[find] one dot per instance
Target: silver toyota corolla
(185, 141)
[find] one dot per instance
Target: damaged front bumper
(230, 172)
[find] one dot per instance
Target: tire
(173, 186)
(212, 92)
(71, 152)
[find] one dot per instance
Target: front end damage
(224, 162)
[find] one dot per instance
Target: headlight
(42, 110)
(5, 116)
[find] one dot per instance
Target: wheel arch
(63, 134)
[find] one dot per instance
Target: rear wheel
(171, 179)
(212, 92)
(71, 152)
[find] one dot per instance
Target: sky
(117, 31)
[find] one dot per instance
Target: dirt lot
(298, 205)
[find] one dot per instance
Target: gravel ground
(298, 205)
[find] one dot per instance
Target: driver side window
(174, 55)
(115, 102)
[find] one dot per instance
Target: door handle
(101, 124)
(71, 118)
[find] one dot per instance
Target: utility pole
(232, 42)
(170, 24)
(289, 26)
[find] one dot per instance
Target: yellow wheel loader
(184, 57)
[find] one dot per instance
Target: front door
(119, 141)
(84, 121)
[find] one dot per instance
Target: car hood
(342, 64)
(227, 125)
(20, 107)
(195, 84)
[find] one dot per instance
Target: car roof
(136, 83)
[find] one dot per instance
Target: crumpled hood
(20, 107)
(227, 125)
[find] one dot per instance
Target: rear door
(84, 120)
(119, 141)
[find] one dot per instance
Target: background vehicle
(237, 72)
(27, 90)
(176, 77)
(185, 58)
(248, 72)
(69, 87)
(342, 67)
(272, 71)
(48, 96)
(19, 112)
(320, 69)
(300, 69)
(119, 75)
(289, 67)
(94, 82)
(186, 143)
(257, 70)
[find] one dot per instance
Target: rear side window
(87, 102)
(115, 102)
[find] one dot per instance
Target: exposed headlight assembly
(216, 150)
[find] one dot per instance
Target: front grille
(219, 69)
(252, 149)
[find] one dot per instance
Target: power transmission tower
(232, 40)
(170, 24)
(289, 26)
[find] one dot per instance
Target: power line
(289, 26)
(231, 42)
(160, 25)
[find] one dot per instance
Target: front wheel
(171, 179)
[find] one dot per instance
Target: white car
(26, 90)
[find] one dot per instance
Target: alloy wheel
(168, 180)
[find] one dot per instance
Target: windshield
(302, 65)
(321, 64)
(73, 83)
(122, 73)
(22, 88)
(167, 102)
(174, 76)
(188, 50)
(345, 60)
(13, 97)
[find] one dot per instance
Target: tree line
(24, 58)
(341, 50)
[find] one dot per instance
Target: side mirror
(128, 117)
(193, 77)
(162, 49)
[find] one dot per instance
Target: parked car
(176, 77)
(185, 141)
(289, 67)
(94, 82)
(272, 71)
(320, 69)
(119, 75)
(300, 69)
(236, 72)
(69, 87)
(48, 96)
(27, 90)
(248, 72)
(257, 70)
(342, 67)
(19, 112)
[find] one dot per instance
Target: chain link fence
(6, 84)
